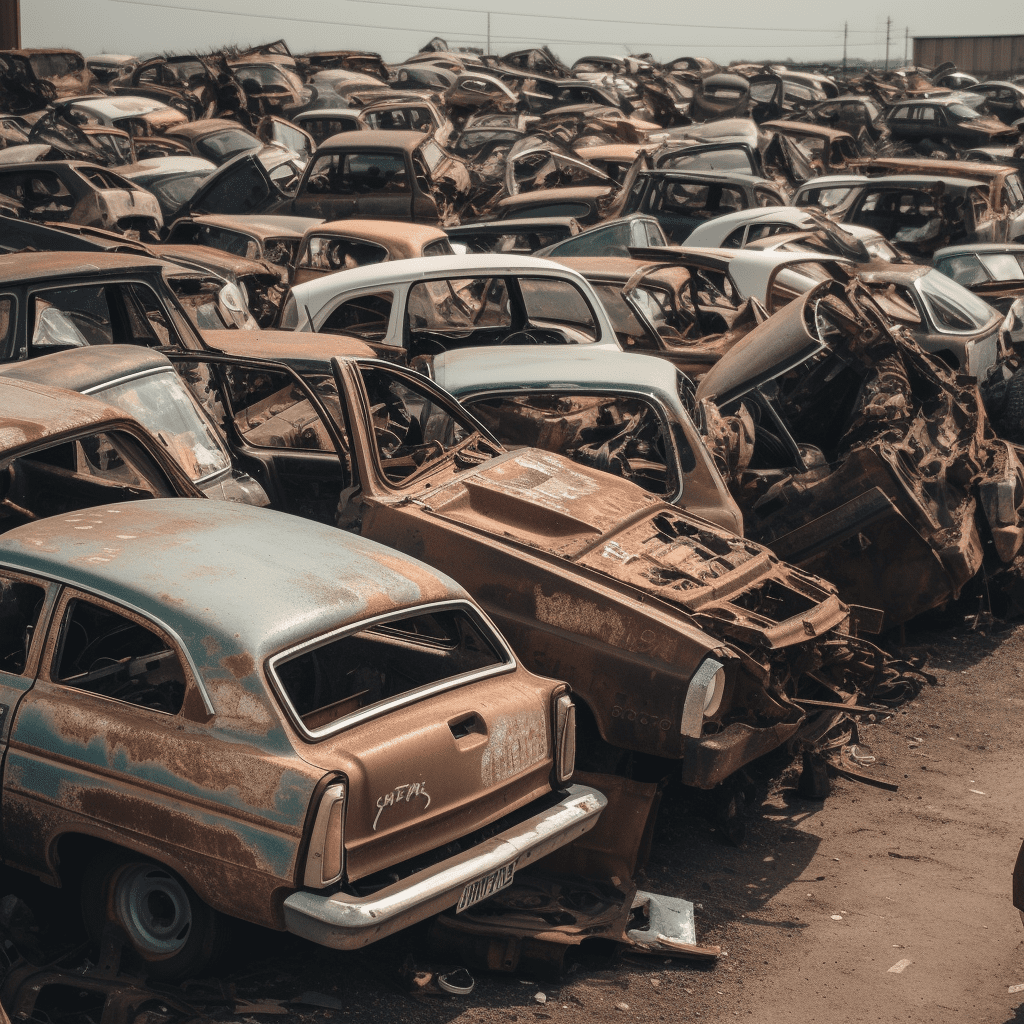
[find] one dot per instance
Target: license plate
(487, 886)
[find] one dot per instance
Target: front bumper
(342, 921)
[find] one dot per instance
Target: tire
(1011, 421)
(172, 933)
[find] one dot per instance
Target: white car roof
(714, 232)
(380, 274)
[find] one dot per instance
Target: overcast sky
(737, 29)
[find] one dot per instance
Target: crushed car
(853, 452)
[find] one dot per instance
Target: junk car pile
(720, 418)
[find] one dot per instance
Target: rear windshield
(952, 307)
(408, 656)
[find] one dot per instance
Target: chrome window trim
(392, 703)
(159, 623)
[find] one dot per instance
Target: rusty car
(80, 193)
(254, 236)
(850, 450)
(687, 646)
(346, 244)
(143, 384)
(187, 755)
(390, 175)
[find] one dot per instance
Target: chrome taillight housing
(565, 738)
(325, 858)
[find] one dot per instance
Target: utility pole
(10, 24)
(888, 24)
(488, 31)
(846, 29)
(906, 44)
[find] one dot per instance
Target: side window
(621, 435)
(330, 254)
(7, 324)
(901, 114)
(71, 318)
(47, 196)
(270, 410)
(20, 605)
(410, 427)
(928, 114)
(365, 316)
(94, 470)
(767, 198)
(348, 174)
(114, 656)
(145, 317)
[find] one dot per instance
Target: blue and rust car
(211, 710)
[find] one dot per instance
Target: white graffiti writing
(406, 793)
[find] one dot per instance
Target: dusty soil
(816, 907)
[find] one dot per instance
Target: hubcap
(154, 908)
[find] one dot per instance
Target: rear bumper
(342, 921)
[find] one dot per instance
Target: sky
(737, 29)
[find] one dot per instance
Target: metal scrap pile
(600, 411)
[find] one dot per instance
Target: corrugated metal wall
(988, 56)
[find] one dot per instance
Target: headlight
(325, 859)
(703, 697)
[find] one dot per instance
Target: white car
(424, 306)
(738, 230)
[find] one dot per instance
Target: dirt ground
(870, 906)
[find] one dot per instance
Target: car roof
(893, 180)
(467, 371)
(380, 230)
(117, 106)
(374, 138)
(725, 177)
(922, 100)
(81, 369)
(235, 582)
(978, 247)
(428, 267)
(258, 224)
(38, 267)
(32, 414)
(303, 350)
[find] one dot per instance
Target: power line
(468, 36)
(606, 21)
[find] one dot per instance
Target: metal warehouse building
(984, 56)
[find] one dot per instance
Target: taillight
(565, 738)
(325, 860)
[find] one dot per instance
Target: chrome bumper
(348, 922)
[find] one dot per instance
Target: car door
(242, 185)
(25, 606)
(112, 739)
(285, 430)
(278, 131)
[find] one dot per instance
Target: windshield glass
(161, 403)
(172, 193)
(224, 145)
(952, 308)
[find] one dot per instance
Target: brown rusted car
(344, 244)
(330, 739)
(684, 641)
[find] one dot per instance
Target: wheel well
(72, 853)
(948, 357)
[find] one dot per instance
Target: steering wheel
(522, 338)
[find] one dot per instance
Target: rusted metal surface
(221, 791)
(878, 471)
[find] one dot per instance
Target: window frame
(50, 658)
(481, 620)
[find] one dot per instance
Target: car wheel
(1011, 420)
(169, 928)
